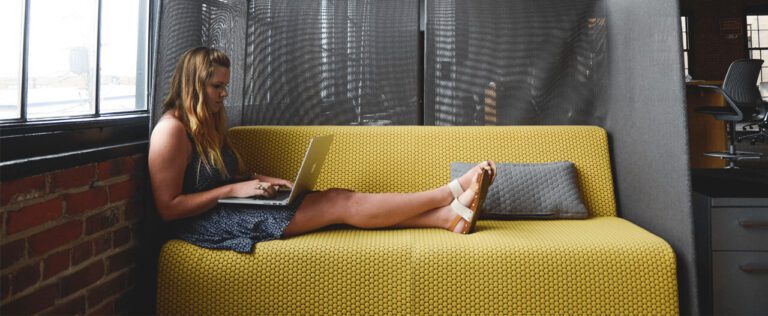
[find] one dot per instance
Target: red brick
(102, 243)
(73, 177)
(82, 252)
(122, 191)
(120, 260)
(74, 306)
(34, 215)
(32, 303)
(82, 278)
(87, 200)
(53, 238)
(115, 167)
(55, 264)
(12, 252)
(107, 309)
(121, 236)
(101, 221)
(22, 189)
(109, 288)
(5, 287)
(25, 277)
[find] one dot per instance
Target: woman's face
(216, 88)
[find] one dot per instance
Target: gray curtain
(331, 62)
(493, 62)
(185, 24)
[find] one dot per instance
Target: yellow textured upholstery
(601, 265)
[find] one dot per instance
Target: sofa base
(601, 265)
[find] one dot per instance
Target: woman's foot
(466, 180)
(450, 215)
(464, 211)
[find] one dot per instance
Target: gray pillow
(531, 190)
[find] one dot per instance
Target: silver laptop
(305, 179)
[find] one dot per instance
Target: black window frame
(754, 10)
(688, 51)
(29, 147)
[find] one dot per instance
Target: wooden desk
(704, 132)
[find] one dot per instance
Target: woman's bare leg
(376, 210)
(363, 210)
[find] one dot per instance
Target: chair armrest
(710, 87)
(728, 99)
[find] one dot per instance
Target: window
(686, 44)
(75, 71)
(757, 39)
(77, 62)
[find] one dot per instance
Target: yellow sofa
(600, 265)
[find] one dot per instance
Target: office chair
(743, 104)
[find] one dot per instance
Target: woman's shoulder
(168, 128)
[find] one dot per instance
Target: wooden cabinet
(731, 224)
(705, 133)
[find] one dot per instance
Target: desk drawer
(740, 229)
(740, 283)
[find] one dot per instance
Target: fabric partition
(643, 96)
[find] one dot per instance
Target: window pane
(11, 22)
(123, 55)
(752, 21)
(762, 39)
(62, 58)
(684, 23)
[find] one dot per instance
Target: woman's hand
(253, 188)
(273, 181)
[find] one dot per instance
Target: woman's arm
(169, 154)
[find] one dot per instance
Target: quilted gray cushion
(531, 190)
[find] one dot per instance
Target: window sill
(38, 147)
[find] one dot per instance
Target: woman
(192, 165)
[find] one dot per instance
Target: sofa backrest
(414, 158)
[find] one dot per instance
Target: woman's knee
(333, 202)
(339, 203)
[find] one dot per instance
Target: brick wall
(69, 238)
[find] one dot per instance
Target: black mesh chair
(743, 104)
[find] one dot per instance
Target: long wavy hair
(186, 99)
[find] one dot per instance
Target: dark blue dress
(228, 226)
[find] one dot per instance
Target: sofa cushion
(600, 265)
(531, 190)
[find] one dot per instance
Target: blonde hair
(186, 98)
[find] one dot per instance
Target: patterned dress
(229, 226)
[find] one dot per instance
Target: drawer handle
(746, 223)
(754, 268)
